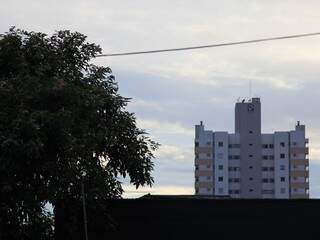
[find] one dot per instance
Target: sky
(171, 92)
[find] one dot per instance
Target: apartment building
(249, 164)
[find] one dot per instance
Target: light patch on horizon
(131, 192)
(314, 145)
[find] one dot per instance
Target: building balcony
(204, 184)
(299, 150)
(299, 173)
(208, 173)
(304, 185)
(198, 150)
(203, 162)
(304, 162)
(299, 195)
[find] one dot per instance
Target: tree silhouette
(60, 116)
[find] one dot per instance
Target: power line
(209, 46)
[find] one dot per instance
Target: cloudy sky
(171, 92)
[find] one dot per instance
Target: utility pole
(250, 89)
(84, 211)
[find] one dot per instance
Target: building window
(265, 169)
(230, 180)
(282, 167)
(197, 155)
(220, 179)
(220, 167)
(197, 167)
(197, 190)
(270, 145)
(234, 169)
(264, 145)
(250, 190)
(267, 191)
(250, 144)
(196, 144)
(282, 144)
(197, 179)
(250, 167)
(282, 179)
(250, 155)
(208, 143)
(234, 145)
(236, 180)
(250, 132)
(282, 155)
(234, 191)
(220, 144)
(251, 179)
(231, 157)
(268, 180)
(267, 157)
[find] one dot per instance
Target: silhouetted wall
(205, 218)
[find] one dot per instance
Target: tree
(60, 116)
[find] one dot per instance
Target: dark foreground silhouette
(164, 217)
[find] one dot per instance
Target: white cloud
(233, 70)
(141, 104)
(174, 152)
(158, 127)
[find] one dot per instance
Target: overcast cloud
(173, 91)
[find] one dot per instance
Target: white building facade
(249, 164)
